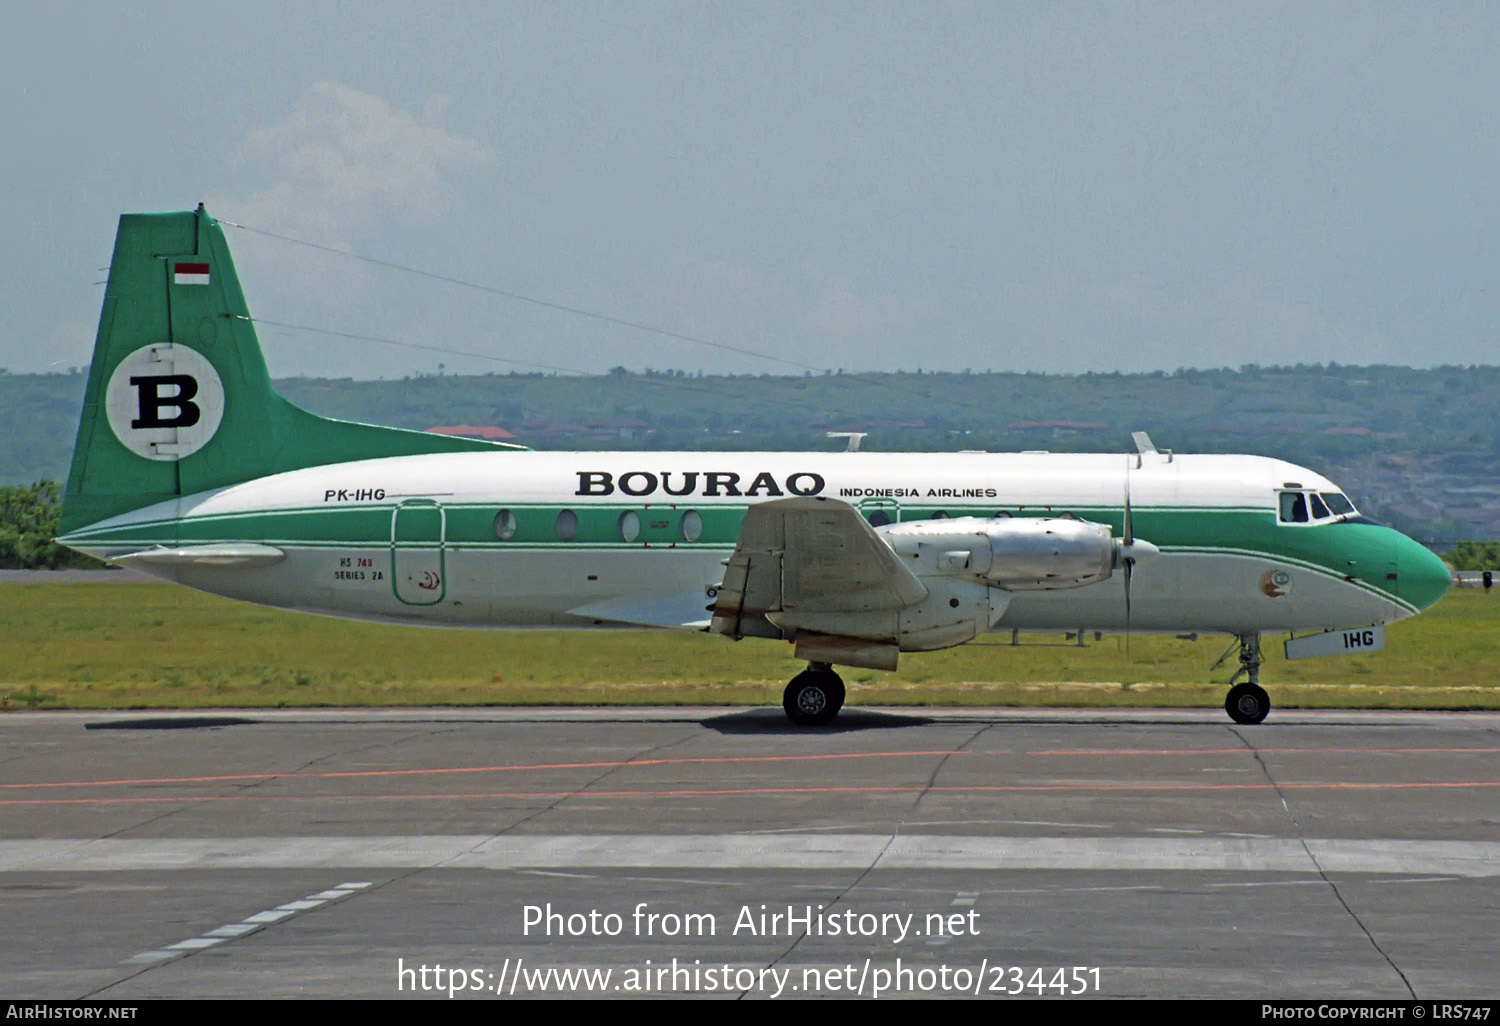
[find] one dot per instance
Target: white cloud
(341, 170)
(345, 162)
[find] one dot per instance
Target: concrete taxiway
(725, 853)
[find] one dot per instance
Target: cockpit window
(1337, 504)
(1299, 507)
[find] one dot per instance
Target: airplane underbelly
(458, 587)
(482, 587)
(1210, 592)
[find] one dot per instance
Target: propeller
(1127, 549)
(1131, 553)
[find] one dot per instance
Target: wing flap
(813, 564)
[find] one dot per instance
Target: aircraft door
(418, 566)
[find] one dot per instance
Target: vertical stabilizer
(179, 400)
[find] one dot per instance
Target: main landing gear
(814, 697)
(1248, 702)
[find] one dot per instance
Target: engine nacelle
(1013, 553)
(956, 610)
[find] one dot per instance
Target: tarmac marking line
(250, 924)
(707, 792)
(722, 760)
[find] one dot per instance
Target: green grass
(161, 646)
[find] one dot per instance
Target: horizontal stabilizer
(228, 554)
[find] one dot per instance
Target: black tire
(1247, 703)
(813, 698)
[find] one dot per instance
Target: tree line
(28, 530)
(1474, 555)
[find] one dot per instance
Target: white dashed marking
(195, 943)
(250, 924)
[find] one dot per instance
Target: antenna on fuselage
(1145, 447)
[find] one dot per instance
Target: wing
(812, 565)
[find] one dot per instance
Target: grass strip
(158, 646)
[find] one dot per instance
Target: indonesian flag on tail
(190, 274)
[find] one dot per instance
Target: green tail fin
(178, 399)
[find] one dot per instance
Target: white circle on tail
(164, 402)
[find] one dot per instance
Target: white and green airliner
(189, 466)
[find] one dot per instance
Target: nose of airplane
(1422, 578)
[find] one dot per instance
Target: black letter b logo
(152, 401)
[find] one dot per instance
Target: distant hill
(1422, 445)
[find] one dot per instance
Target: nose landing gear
(1248, 702)
(814, 697)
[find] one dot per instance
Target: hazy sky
(1020, 186)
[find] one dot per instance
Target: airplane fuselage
(590, 539)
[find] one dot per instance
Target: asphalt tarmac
(723, 853)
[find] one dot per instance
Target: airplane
(190, 467)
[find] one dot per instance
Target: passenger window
(1293, 508)
(1319, 511)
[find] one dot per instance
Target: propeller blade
(1129, 559)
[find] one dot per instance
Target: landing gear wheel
(1247, 703)
(813, 698)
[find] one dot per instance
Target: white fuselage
(585, 539)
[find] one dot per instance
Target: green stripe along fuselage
(524, 539)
